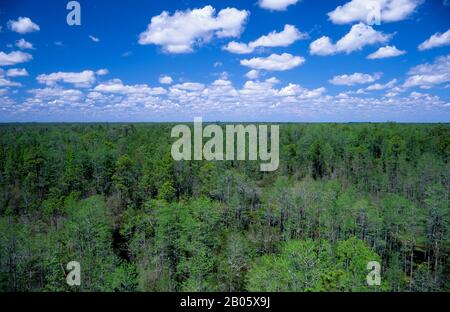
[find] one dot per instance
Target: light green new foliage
(308, 265)
(298, 267)
(352, 257)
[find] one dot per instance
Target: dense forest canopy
(111, 197)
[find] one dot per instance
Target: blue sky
(268, 60)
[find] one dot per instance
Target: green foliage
(111, 197)
(352, 257)
(308, 265)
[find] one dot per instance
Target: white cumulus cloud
(116, 86)
(8, 83)
(238, 48)
(436, 40)
(252, 74)
(385, 52)
(102, 72)
(284, 38)
(378, 86)
(165, 79)
(180, 32)
(276, 5)
(17, 72)
(189, 86)
(355, 78)
(23, 44)
(295, 90)
(427, 75)
(364, 10)
(274, 62)
(80, 79)
(23, 25)
(359, 36)
(54, 97)
(14, 57)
